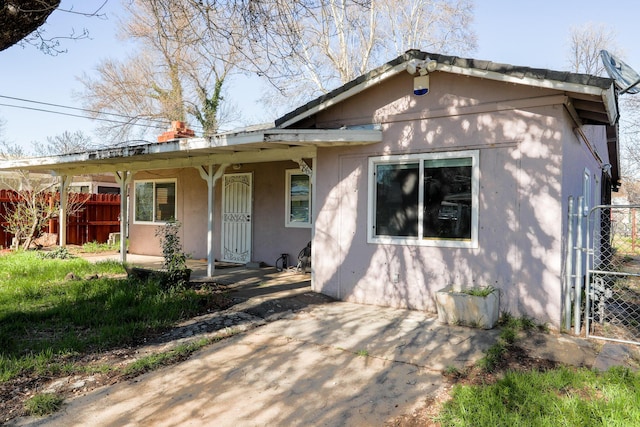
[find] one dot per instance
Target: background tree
(187, 50)
(19, 19)
(22, 22)
(585, 44)
(176, 73)
(34, 198)
(65, 143)
(305, 48)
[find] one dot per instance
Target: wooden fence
(98, 217)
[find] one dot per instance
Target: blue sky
(515, 32)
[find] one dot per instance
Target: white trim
(607, 95)
(247, 242)
(402, 67)
(153, 213)
(287, 200)
(417, 241)
(524, 80)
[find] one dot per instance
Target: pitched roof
(586, 88)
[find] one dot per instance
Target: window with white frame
(154, 201)
(428, 199)
(297, 199)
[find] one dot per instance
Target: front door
(236, 218)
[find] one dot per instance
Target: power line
(161, 124)
(81, 116)
(84, 110)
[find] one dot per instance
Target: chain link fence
(613, 274)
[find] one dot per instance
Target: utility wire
(81, 116)
(13, 98)
(84, 110)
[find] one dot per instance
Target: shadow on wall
(520, 214)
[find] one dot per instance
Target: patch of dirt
(91, 370)
(516, 359)
(15, 392)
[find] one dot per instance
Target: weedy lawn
(47, 318)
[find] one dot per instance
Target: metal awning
(265, 145)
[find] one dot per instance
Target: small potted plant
(175, 268)
(474, 306)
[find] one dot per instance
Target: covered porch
(211, 157)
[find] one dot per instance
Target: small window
(154, 201)
(424, 199)
(298, 199)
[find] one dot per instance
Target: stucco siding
(520, 207)
(270, 237)
(191, 201)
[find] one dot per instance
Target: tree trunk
(31, 234)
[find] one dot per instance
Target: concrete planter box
(460, 308)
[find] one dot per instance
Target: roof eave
(242, 147)
(366, 84)
(579, 84)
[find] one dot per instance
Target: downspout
(210, 177)
(123, 178)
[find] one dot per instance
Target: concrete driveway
(334, 364)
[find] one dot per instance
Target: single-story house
(428, 171)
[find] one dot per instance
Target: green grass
(95, 247)
(564, 396)
(46, 321)
(153, 361)
(559, 397)
(43, 404)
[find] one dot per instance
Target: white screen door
(236, 218)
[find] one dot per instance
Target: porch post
(206, 173)
(314, 168)
(62, 221)
(123, 178)
(311, 173)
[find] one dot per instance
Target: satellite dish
(626, 78)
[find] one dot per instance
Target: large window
(154, 201)
(424, 199)
(298, 199)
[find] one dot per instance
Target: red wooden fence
(98, 218)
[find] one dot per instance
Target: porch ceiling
(242, 147)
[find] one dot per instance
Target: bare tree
(585, 43)
(65, 143)
(18, 19)
(34, 199)
(22, 22)
(302, 47)
(334, 41)
(177, 73)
